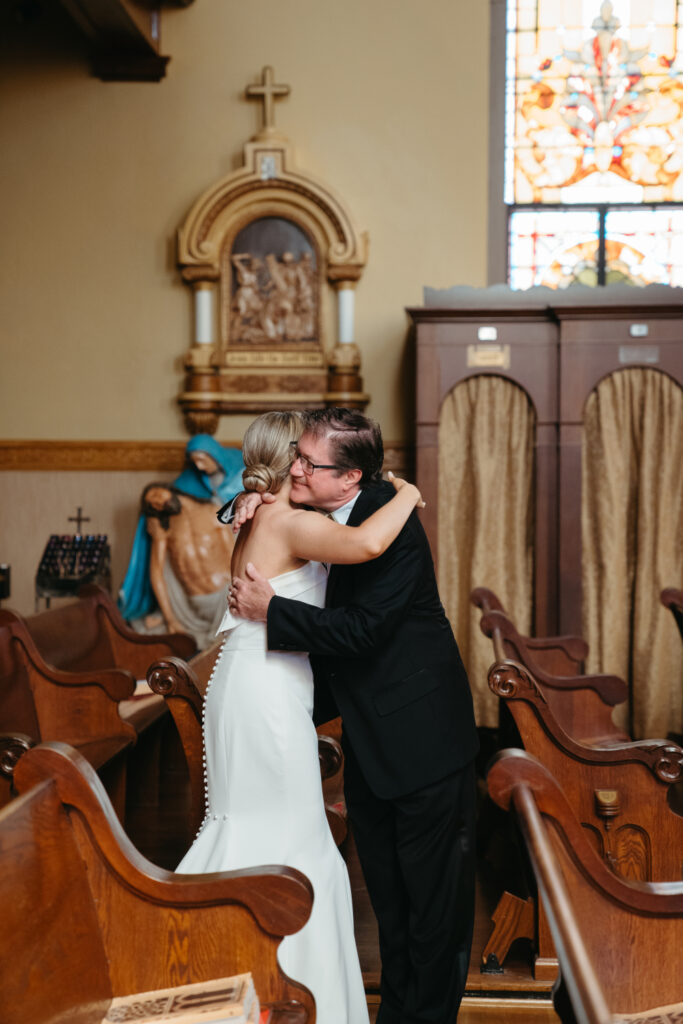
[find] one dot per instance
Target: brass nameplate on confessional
(274, 359)
(489, 356)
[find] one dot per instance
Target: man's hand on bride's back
(245, 506)
(250, 596)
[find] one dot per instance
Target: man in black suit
(385, 659)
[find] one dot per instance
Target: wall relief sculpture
(269, 252)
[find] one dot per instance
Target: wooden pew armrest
(117, 683)
(283, 899)
(575, 647)
(612, 690)
(152, 646)
(511, 681)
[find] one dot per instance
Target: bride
(264, 802)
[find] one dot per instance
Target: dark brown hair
(355, 441)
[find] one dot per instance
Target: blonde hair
(266, 452)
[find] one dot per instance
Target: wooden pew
(86, 918)
(79, 708)
(582, 704)
(87, 635)
(183, 686)
(619, 943)
(556, 655)
(672, 599)
(12, 746)
(623, 794)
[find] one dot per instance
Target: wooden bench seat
(619, 943)
(87, 918)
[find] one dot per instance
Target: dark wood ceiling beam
(124, 37)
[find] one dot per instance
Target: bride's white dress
(264, 797)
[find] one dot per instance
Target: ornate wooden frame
(228, 376)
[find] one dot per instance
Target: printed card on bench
(230, 1000)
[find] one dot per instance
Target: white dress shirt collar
(341, 515)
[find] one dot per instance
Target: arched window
(593, 126)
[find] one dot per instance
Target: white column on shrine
(203, 313)
(345, 312)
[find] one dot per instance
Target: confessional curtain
(485, 515)
(632, 536)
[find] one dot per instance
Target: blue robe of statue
(136, 597)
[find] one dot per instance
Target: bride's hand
(399, 484)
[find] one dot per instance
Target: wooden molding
(153, 456)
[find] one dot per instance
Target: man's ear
(354, 476)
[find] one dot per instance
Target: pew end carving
(621, 793)
(115, 924)
(624, 794)
(618, 942)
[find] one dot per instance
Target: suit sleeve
(384, 590)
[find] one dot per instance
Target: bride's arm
(313, 536)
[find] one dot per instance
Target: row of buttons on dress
(208, 816)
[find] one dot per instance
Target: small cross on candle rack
(267, 91)
(79, 518)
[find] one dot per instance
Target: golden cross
(266, 92)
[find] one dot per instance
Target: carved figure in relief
(248, 303)
(305, 280)
(283, 303)
(275, 302)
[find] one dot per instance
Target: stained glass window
(594, 141)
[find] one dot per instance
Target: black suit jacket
(384, 657)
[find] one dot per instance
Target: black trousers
(418, 858)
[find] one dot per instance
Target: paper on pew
(231, 1000)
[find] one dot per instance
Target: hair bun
(260, 477)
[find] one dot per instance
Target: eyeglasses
(306, 464)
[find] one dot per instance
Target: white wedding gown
(264, 797)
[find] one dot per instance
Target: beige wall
(41, 503)
(389, 105)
